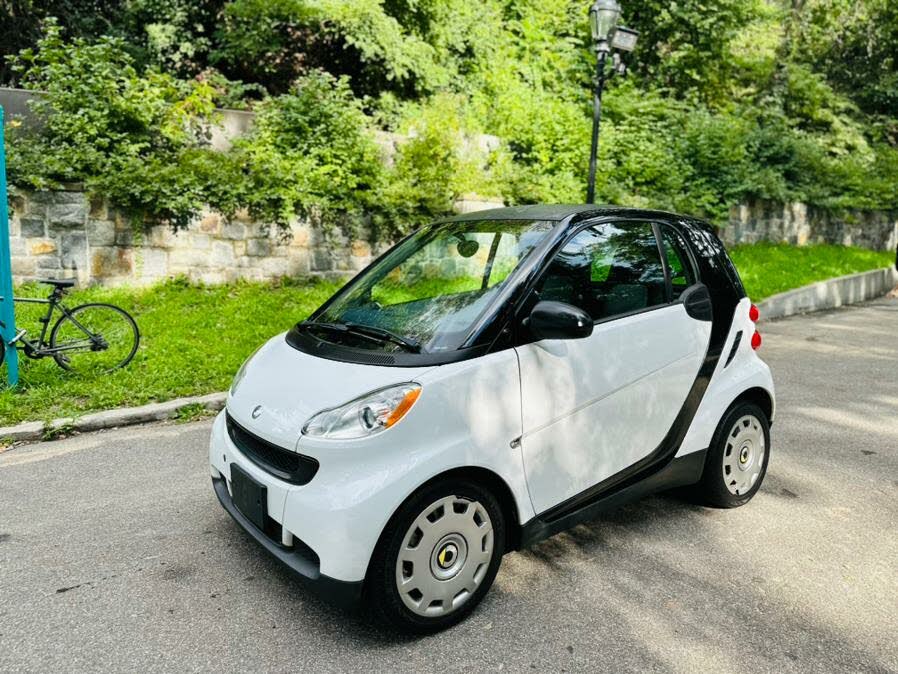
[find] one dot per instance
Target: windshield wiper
(379, 335)
(407, 343)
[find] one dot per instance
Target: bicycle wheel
(94, 339)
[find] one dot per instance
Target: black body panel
(302, 340)
(283, 463)
(680, 472)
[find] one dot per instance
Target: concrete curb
(830, 294)
(125, 416)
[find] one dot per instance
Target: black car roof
(559, 212)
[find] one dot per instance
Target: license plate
(250, 497)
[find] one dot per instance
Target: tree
(22, 21)
(855, 45)
(687, 46)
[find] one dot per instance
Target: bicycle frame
(41, 347)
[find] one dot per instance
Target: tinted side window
(607, 270)
(682, 275)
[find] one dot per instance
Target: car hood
(288, 387)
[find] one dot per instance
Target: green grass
(192, 412)
(193, 338)
(767, 269)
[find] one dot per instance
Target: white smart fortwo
(491, 380)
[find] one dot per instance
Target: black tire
(2, 350)
(121, 333)
(713, 489)
(382, 595)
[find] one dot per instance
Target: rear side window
(607, 270)
(682, 273)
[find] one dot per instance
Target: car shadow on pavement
(643, 588)
(638, 601)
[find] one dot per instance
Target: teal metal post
(7, 313)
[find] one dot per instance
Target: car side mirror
(558, 320)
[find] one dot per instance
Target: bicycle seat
(59, 283)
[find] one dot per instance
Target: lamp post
(608, 39)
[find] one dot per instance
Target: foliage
(175, 35)
(687, 46)
(22, 24)
(853, 44)
(438, 163)
(127, 143)
(726, 101)
(232, 94)
(193, 412)
(258, 38)
(309, 154)
(278, 40)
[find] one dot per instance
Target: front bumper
(305, 566)
(294, 539)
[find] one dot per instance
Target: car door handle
(697, 301)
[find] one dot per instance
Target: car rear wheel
(737, 458)
(437, 558)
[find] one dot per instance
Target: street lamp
(603, 17)
(607, 36)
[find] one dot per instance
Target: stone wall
(65, 235)
(800, 224)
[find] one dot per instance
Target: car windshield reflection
(428, 292)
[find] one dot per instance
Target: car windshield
(426, 294)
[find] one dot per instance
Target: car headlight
(372, 413)
(241, 373)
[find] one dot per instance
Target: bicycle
(94, 337)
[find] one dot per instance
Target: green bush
(438, 163)
(310, 153)
(121, 133)
(279, 40)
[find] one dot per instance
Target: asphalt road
(115, 555)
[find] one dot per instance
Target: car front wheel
(437, 557)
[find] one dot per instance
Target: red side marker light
(756, 340)
(754, 314)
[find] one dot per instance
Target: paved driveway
(114, 555)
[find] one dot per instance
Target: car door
(595, 406)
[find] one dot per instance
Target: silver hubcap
(743, 457)
(444, 556)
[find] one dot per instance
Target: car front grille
(282, 463)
